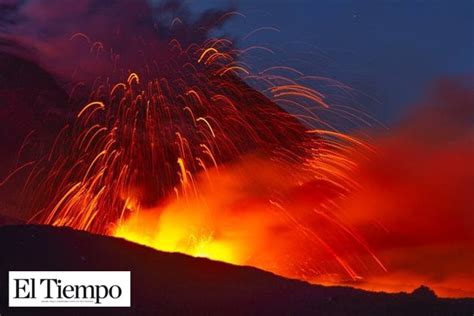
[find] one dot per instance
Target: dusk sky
(389, 50)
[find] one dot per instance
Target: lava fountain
(186, 156)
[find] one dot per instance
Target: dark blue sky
(390, 50)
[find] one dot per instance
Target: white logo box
(69, 288)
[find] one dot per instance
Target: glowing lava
(189, 158)
(256, 212)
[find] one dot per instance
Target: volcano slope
(171, 283)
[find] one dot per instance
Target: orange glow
(256, 213)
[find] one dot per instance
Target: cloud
(419, 189)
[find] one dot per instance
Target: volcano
(172, 283)
(141, 120)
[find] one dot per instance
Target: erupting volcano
(184, 156)
(173, 139)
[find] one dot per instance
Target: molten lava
(187, 157)
(261, 213)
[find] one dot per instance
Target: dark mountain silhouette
(171, 283)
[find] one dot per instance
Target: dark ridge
(171, 283)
